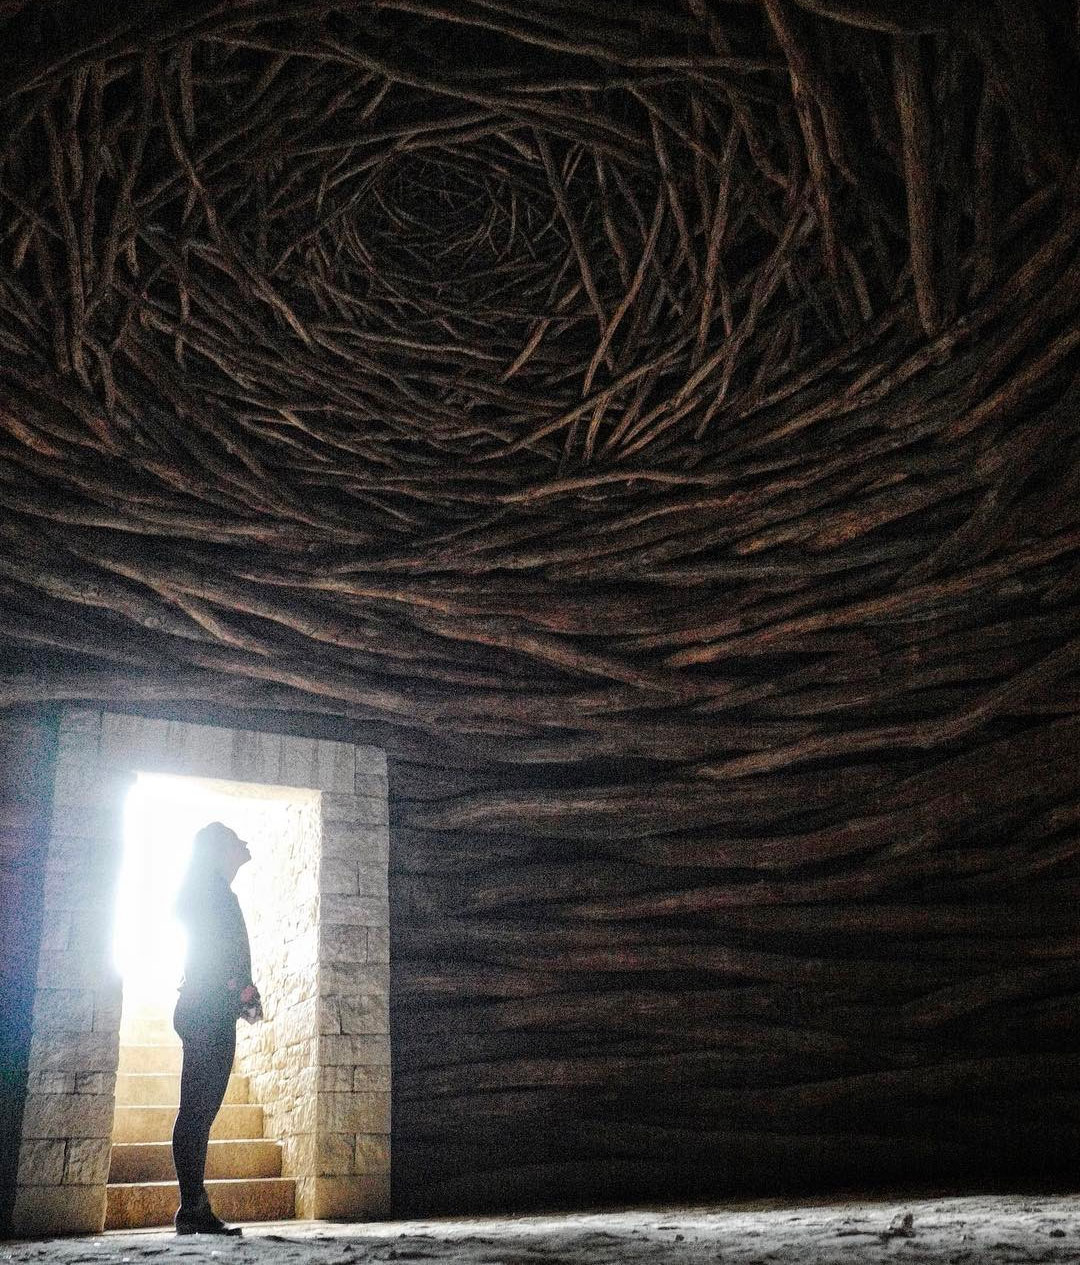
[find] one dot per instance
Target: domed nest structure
(655, 425)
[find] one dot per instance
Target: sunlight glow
(161, 816)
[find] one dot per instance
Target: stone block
(343, 980)
(52, 1083)
(298, 1155)
(68, 1116)
(334, 1154)
(296, 1020)
(84, 884)
(296, 1047)
(90, 932)
(338, 875)
(77, 828)
(353, 810)
(108, 1006)
(167, 746)
(329, 1017)
(335, 1080)
(359, 1198)
(256, 1040)
(41, 1162)
(87, 1161)
(97, 856)
(255, 757)
(306, 1076)
(364, 844)
(370, 785)
(129, 735)
(80, 725)
(67, 970)
(379, 944)
(343, 943)
(302, 1114)
(372, 1153)
(371, 760)
(294, 923)
(64, 1010)
(371, 879)
(299, 972)
(369, 1014)
(305, 1196)
(359, 1051)
(356, 1112)
(77, 778)
(318, 763)
(371, 1078)
(50, 1210)
(91, 1052)
(357, 911)
(95, 1083)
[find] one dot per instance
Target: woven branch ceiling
(683, 380)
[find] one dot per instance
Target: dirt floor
(984, 1228)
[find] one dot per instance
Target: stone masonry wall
(27, 751)
(354, 997)
(67, 1120)
(74, 1044)
(279, 892)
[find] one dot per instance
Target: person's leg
(218, 1066)
(204, 1077)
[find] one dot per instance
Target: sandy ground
(984, 1228)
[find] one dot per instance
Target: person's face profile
(240, 853)
(232, 852)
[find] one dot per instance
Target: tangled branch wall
(655, 425)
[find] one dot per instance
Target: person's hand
(250, 1004)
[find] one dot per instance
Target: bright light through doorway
(161, 816)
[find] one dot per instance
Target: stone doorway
(322, 1063)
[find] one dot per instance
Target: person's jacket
(217, 966)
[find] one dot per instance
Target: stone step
(155, 1124)
(150, 1058)
(153, 1161)
(147, 1027)
(129, 1205)
(162, 1089)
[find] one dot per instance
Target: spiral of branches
(681, 321)
(654, 424)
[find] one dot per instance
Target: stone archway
(337, 1029)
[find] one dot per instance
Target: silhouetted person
(216, 990)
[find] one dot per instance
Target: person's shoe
(203, 1222)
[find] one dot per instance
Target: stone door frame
(74, 1047)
